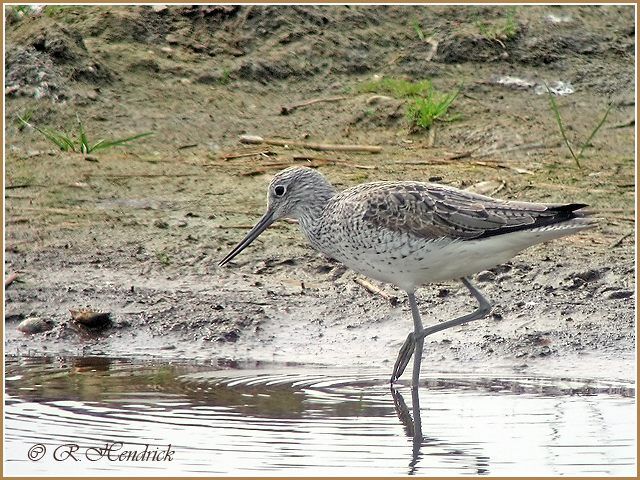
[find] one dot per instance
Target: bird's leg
(410, 344)
(417, 341)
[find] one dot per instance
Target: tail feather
(566, 217)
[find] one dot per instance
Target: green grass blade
(97, 145)
(24, 119)
(595, 130)
(416, 28)
(115, 143)
(556, 111)
(84, 141)
(62, 141)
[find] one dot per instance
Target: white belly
(409, 262)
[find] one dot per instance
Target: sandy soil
(138, 231)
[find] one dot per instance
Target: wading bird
(412, 233)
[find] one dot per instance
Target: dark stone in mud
(618, 294)
(231, 336)
(592, 275)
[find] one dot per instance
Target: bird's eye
(279, 190)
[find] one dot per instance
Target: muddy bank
(138, 231)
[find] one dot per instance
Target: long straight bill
(266, 220)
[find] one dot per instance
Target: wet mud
(138, 231)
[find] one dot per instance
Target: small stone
(377, 99)
(486, 276)
(618, 294)
(90, 318)
(34, 325)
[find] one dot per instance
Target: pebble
(377, 99)
(90, 318)
(34, 325)
(618, 294)
(486, 276)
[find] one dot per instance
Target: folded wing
(435, 211)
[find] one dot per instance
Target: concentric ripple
(276, 420)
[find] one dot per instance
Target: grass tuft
(418, 29)
(426, 104)
(506, 29)
(67, 143)
(423, 112)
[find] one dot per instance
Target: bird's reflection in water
(412, 422)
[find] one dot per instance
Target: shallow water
(85, 414)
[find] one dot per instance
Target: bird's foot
(404, 355)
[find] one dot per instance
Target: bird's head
(295, 192)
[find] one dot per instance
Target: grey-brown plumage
(434, 211)
(412, 233)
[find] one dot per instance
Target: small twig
(191, 145)
(392, 299)
(12, 277)
(302, 158)
(502, 165)
(622, 219)
(618, 242)
(255, 139)
(286, 110)
(16, 220)
(22, 185)
(628, 123)
(458, 156)
(231, 156)
(144, 175)
(524, 146)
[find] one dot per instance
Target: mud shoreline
(138, 231)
